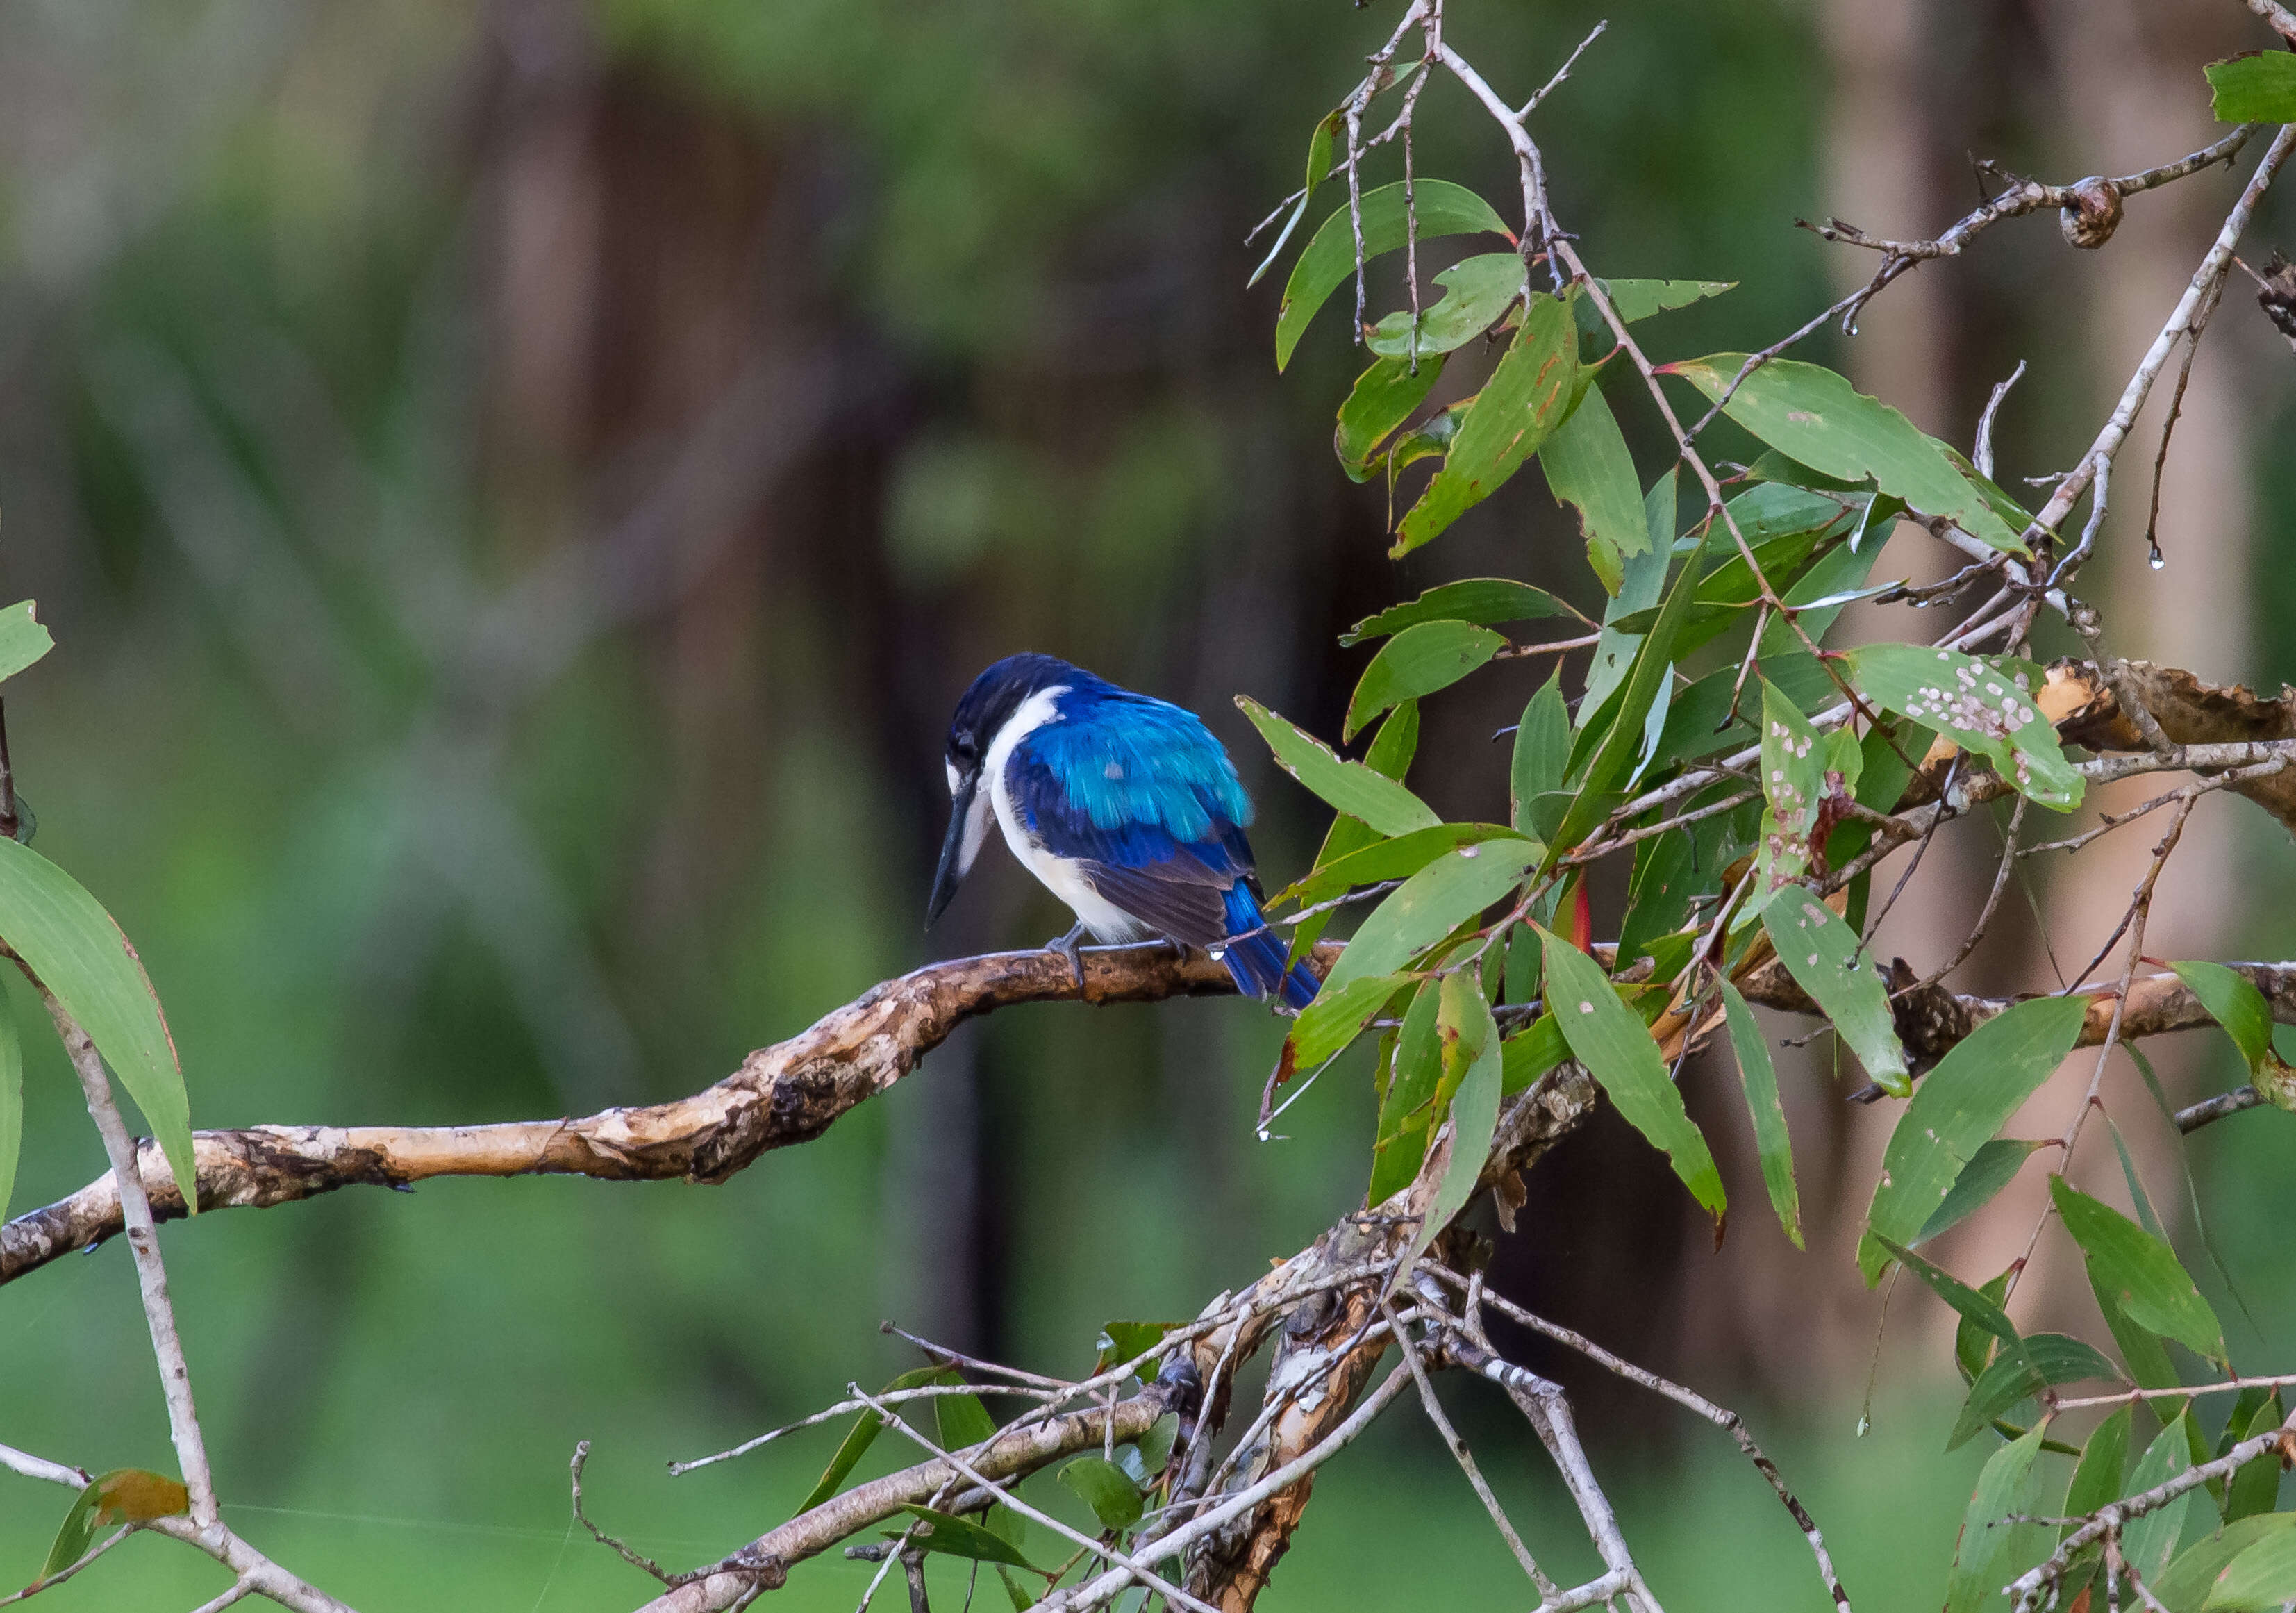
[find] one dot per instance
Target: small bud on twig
(2088, 220)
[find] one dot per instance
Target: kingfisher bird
(1123, 806)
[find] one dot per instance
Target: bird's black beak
(951, 872)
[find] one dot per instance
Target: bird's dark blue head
(995, 696)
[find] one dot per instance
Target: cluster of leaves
(64, 939)
(1475, 973)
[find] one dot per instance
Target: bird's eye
(962, 747)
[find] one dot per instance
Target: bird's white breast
(1061, 875)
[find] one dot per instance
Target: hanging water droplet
(1863, 1424)
(2156, 560)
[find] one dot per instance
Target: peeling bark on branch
(2188, 712)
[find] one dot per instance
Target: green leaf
(1472, 1070)
(1337, 1018)
(1396, 859)
(1981, 1309)
(2003, 1487)
(1488, 600)
(1413, 1084)
(11, 1099)
(2097, 1476)
(1442, 209)
(1542, 749)
(1383, 398)
(2194, 1573)
(1123, 1341)
(2255, 87)
(1957, 1108)
(1526, 397)
(1021, 1598)
(1817, 949)
(1429, 905)
(2255, 1487)
(2037, 1362)
(1643, 587)
(962, 1420)
(1477, 290)
(862, 1435)
(2151, 1285)
(1632, 300)
(955, 1537)
(1989, 1171)
(1349, 787)
(1418, 662)
(1389, 756)
(2148, 1541)
(22, 640)
(1610, 1040)
(76, 949)
(1587, 465)
(1973, 1345)
(1759, 1078)
(1983, 705)
(1793, 789)
(2238, 1007)
(1319, 163)
(1106, 1488)
(123, 1496)
(1527, 1056)
(1821, 420)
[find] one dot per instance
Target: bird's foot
(1071, 947)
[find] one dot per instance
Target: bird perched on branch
(1124, 807)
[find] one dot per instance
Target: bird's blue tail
(1256, 958)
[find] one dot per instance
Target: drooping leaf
(2097, 1477)
(962, 1420)
(1820, 952)
(1816, 417)
(1319, 163)
(862, 1435)
(1106, 1488)
(1408, 1103)
(1985, 705)
(2148, 1541)
(11, 1099)
(1418, 662)
(1975, 1306)
(1123, 1341)
(2144, 1274)
(1542, 750)
(1610, 1040)
(1642, 587)
(1632, 300)
(1793, 789)
(1337, 1018)
(2262, 1577)
(2256, 1487)
(1389, 756)
(1441, 208)
(1348, 786)
(1472, 1067)
(1488, 600)
(123, 1496)
(67, 939)
(1989, 1171)
(1958, 1108)
(1973, 1345)
(1396, 859)
(1526, 397)
(22, 640)
(1383, 398)
(2255, 87)
(1587, 465)
(1476, 292)
(1527, 1056)
(2236, 1005)
(1429, 905)
(2003, 1487)
(955, 1537)
(1759, 1077)
(2194, 1574)
(2035, 1364)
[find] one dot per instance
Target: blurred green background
(517, 489)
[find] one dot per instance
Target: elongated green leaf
(2193, 1576)
(1973, 1345)
(1985, 705)
(1383, 398)
(22, 640)
(11, 1099)
(1488, 600)
(1389, 756)
(1633, 299)
(1526, 397)
(1957, 1108)
(1476, 292)
(1429, 905)
(1644, 585)
(1542, 749)
(1123, 1341)
(1471, 1047)
(957, 1537)
(1820, 419)
(1408, 1103)
(1977, 1307)
(2003, 1487)
(1349, 787)
(123, 1496)
(1759, 1077)
(1819, 951)
(1418, 662)
(1793, 789)
(1587, 465)
(1106, 1488)
(1396, 859)
(962, 1420)
(2148, 1541)
(1337, 1018)
(78, 953)
(1527, 1056)
(2097, 1477)
(1319, 163)
(2237, 1006)
(2033, 1364)
(1989, 1171)
(1610, 1040)
(2255, 1487)
(1442, 209)
(862, 1435)
(2259, 86)
(2152, 1288)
